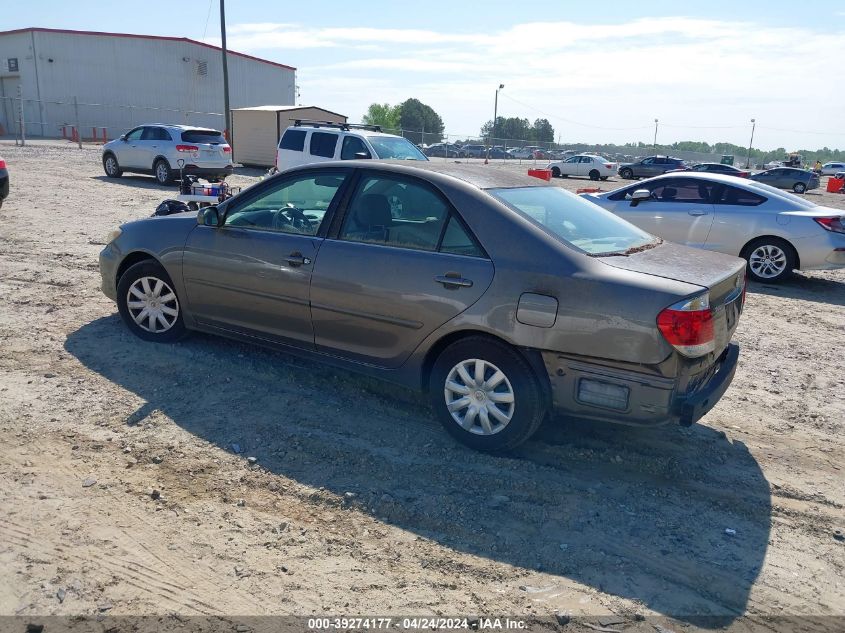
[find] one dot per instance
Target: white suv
(317, 141)
(157, 149)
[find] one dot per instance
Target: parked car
(307, 142)
(444, 150)
(157, 149)
(799, 180)
(4, 181)
(717, 168)
(409, 274)
(830, 169)
(650, 166)
(774, 231)
(474, 151)
(499, 153)
(529, 152)
(586, 165)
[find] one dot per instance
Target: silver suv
(157, 149)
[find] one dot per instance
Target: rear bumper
(194, 170)
(650, 399)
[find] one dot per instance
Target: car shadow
(675, 519)
(137, 181)
(805, 288)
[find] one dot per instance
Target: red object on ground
(589, 190)
(834, 185)
(542, 174)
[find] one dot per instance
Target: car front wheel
(148, 304)
(486, 395)
(556, 172)
(111, 166)
(769, 259)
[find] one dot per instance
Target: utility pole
(495, 116)
(226, 110)
(655, 135)
(750, 143)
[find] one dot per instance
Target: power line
(588, 125)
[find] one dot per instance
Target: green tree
(508, 130)
(385, 115)
(419, 122)
(543, 131)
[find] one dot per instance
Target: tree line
(420, 124)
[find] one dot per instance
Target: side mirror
(123, 138)
(208, 216)
(640, 195)
(362, 155)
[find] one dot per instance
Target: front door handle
(697, 212)
(296, 259)
(453, 280)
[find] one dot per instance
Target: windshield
(394, 147)
(575, 220)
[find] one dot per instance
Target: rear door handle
(296, 259)
(453, 280)
(697, 212)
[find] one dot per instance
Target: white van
(317, 141)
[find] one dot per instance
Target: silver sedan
(774, 231)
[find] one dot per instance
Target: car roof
(479, 176)
(176, 126)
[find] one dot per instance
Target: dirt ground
(126, 486)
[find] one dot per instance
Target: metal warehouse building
(121, 80)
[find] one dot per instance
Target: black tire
(799, 187)
(162, 172)
(556, 172)
(780, 251)
(594, 174)
(152, 271)
(529, 404)
(604, 177)
(111, 166)
(627, 174)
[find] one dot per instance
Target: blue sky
(599, 72)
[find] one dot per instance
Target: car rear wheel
(799, 187)
(604, 177)
(111, 166)
(162, 172)
(770, 259)
(486, 395)
(594, 174)
(148, 304)
(556, 172)
(627, 174)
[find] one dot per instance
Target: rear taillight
(187, 148)
(834, 225)
(688, 326)
(609, 165)
(2, 164)
(227, 149)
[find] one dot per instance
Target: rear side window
(323, 144)
(293, 139)
(202, 136)
(457, 241)
(739, 197)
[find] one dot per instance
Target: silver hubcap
(162, 172)
(479, 397)
(111, 165)
(152, 304)
(767, 261)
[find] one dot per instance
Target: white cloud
(693, 74)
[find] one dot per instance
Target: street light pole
(750, 143)
(655, 135)
(495, 116)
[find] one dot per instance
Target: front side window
(135, 135)
(574, 220)
(574, 159)
(395, 147)
(292, 206)
(323, 144)
(395, 212)
(683, 190)
(293, 140)
(353, 145)
(648, 161)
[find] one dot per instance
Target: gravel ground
(127, 488)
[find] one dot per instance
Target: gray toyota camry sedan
(502, 296)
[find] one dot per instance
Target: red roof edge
(38, 29)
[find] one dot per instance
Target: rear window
(203, 136)
(293, 139)
(575, 220)
(739, 197)
(323, 144)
